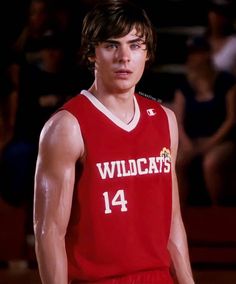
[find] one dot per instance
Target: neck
(120, 104)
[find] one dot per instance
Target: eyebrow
(136, 40)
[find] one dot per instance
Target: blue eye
(135, 46)
(111, 46)
(138, 44)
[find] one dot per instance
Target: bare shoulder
(62, 131)
(172, 126)
(171, 116)
(60, 121)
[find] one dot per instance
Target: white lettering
(132, 167)
(108, 169)
(152, 165)
(118, 199)
(139, 166)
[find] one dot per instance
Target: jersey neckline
(127, 127)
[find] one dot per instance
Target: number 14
(118, 199)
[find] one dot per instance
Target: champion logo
(151, 111)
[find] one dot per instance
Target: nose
(123, 53)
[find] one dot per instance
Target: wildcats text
(134, 167)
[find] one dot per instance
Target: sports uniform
(121, 210)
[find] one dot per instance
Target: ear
(147, 58)
(91, 59)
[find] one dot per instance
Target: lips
(123, 73)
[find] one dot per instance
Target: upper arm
(179, 105)
(177, 244)
(174, 137)
(60, 146)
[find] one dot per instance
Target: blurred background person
(38, 21)
(205, 107)
(221, 34)
(23, 50)
(42, 89)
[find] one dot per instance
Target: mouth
(123, 73)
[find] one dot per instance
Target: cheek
(102, 65)
(140, 62)
(102, 61)
(140, 58)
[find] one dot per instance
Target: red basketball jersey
(121, 210)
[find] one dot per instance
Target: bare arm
(54, 184)
(177, 246)
(179, 110)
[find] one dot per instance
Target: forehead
(134, 34)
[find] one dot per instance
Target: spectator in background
(38, 22)
(43, 88)
(205, 107)
(7, 95)
(42, 75)
(221, 35)
(24, 51)
(46, 86)
(42, 18)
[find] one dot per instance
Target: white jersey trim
(127, 127)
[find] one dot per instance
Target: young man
(106, 195)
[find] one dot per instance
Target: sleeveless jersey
(121, 209)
